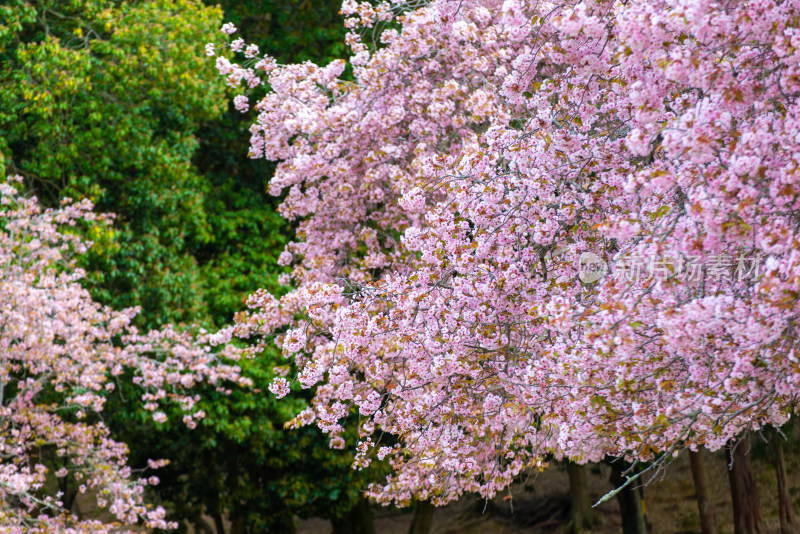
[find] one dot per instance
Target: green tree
(116, 102)
(291, 30)
(101, 99)
(240, 463)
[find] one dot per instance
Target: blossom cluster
(61, 354)
(446, 192)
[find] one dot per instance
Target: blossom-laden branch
(59, 355)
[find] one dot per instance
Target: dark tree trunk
(423, 518)
(785, 512)
(218, 522)
(69, 495)
(744, 494)
(630, 501)
(582, 515)
(708, 524)
(239, 526)
(342, 525)
(287, 525)
(357, 521)
(362, 517)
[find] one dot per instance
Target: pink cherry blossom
(445, 195)
(59, 354)
(241, 103)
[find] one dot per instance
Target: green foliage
(101, 99)
(116, 102)
(292, 31)
(247, 235)
(239, 463)
(111, 101)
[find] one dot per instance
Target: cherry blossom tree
(532, 228)
(60, 354)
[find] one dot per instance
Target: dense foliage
(246, 232)
(240, 463)
(100, 100)
(522, 230)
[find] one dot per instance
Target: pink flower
(251, 51)
(241, 103)
(279, 387)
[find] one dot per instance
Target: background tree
(95, 105)
(240, 470)
(90, 93)
(247, 233)
(277, 473)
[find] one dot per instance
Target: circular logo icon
(591, 267)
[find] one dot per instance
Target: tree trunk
(423, 518)
(238, 525)
(342, 525)
(218, 522)
(362, 517)
(582, 515)
(69, 495)
(785, 512)
(744, 494)
(630, 501)
(357, 521)
(708, 524)
(287, 526)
